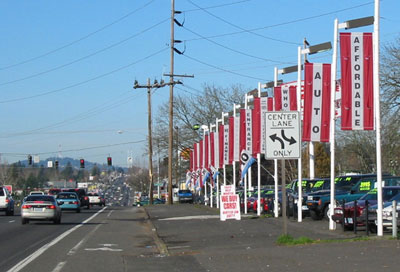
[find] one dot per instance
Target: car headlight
(387, 213)
(309, 198)
(338, 211)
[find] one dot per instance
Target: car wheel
(10, 213)
(24, 221)
(78, 210)
(58, 221)
(315, 215)
(325, 213)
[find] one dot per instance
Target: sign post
(282, 142)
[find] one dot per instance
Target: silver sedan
(40, 207)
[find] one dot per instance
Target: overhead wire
(217, 6)
(241, 28)
(84, 57)
(285, 23)
(78, 40)
(85, 81)
(222, 69)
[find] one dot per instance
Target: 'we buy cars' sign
(229, 200)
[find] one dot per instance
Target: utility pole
(149, 87)
(171, 97)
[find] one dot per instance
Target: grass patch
(287, 240)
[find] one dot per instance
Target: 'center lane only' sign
(283, 135)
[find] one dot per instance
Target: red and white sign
(9, 188)
(285, 98)
(317, 100)
(357, 81)
(229, 203)
(226, 144)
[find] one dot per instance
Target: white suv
(6, 201)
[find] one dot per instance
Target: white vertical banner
(226, 144)
(249, 135)
(198, 155)
(236, 139)
(263, 111)
(216, 150)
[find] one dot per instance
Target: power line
(217, 6)
(234, 50)
(78, 40)
(284, 23)
(83, 82)
(224, 70)
(241, 28)
(84, 57)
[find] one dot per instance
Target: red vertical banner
(285, 98)
(270, 104)
(212, 149)
(317, 101)
(357, 105)
(206, 151)
(195, 156)
(221, 145)
(231, 138)
(242, 130)
(256, 126)
(191, 160)
(201, 151)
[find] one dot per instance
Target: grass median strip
(287, 240)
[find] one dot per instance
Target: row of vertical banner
(248, 132)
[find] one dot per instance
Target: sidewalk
(250, 244)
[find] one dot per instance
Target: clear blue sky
(67, 67)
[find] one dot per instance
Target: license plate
(304, 208)
(349, 220)
(38, 209)
(309, 198)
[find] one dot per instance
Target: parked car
(6, 201)
(185, 196)
(386, 214)
(54, 191)
(40, 207)
(388, 192)
(350, 188)
(292, 191)
(69, 201)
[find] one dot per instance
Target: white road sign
(283, 135)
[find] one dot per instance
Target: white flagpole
(216, 166)
(276, 213)
(332, 224)
(204, 166)
(245, 194)
(299, 175)
(223, 163)
(233, 160)
(259, 164)
(211, 200)
(377, 116)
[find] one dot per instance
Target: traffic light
(29, 159)
(82, 163)
(56, 164)
(109, 161)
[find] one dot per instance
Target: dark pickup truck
(347, 188)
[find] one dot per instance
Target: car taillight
(26, 206)
(52, 207)
(86, 198)
(75, 202)
(319, 202)
(7, 200)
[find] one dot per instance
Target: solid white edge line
(41, 250)
(59, 266)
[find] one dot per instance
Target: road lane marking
(41, 250)
(108, 215)
(59, 267)
(76, 247)
(103, 249)
(178, 247)
(12, 221)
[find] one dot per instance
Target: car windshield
(184, 191)
(66, 196)
(40, 198)
(1, 192)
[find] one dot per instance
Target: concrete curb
(162, 247)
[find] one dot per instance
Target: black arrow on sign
(290, 141)
(274, 137)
